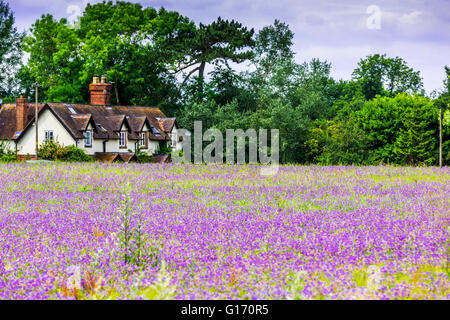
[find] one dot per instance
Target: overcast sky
(341, 32)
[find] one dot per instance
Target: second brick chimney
(100, 92)
(21, 113)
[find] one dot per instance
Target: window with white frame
(48, 135)
(88, 141)
(144, 140)
(123, 139)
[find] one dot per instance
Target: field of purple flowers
(97, 231)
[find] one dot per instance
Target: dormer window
(156, 132)
(88, 141)
(144, 140)
(123, 140)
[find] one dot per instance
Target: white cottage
(103, 131)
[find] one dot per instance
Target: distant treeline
(161, 58)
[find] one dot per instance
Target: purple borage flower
(223, 232)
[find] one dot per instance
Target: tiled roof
(107, 120)
(163, 158)
(115, 157)
(81, 121)
(127, 157)
(8, 121)
(167, 124)
(106, 157)
(137, 123)
(111, 118)
(115, 121)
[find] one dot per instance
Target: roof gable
(8, 123)
(138, 123)
(167, 124)
(116, 122)
(41, 110)
(82, 121)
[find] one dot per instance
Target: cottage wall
(47, 121)
(178, 145)
(97, 144)
(153, 147)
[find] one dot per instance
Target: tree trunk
(117, 93)
(201, 78)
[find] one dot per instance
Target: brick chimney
(100, 92)
(21, 113)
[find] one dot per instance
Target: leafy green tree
(121, 39)
(274, 75)
(26, 84)
(351, 99)
(380, 75)
(280, 115)
(446, 136)
(203, 111)
(347, 144)
(400, 130)
(112, 36)
(380, 120)
(416, 142)
(447, 79)
(220, 41)
(315, 90)
(226, 85)
(10, 50)
(54, 61)
(336, 142)
(253, 99)
(143, 51)
(273, 45)
(443, 103)
(212, 115)
(262, 96)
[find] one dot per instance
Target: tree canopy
(219, 42)
(381, 75)
(10, 50)
(230, 76)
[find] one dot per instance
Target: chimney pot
(100, 92)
